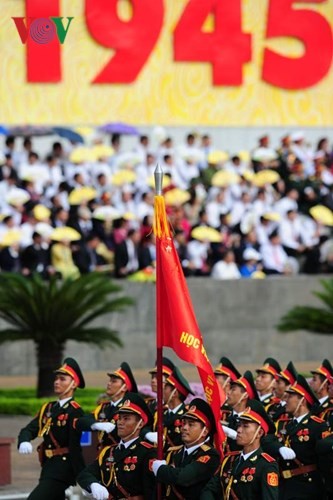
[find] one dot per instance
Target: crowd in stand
(262, 212)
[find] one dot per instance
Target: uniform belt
(137, 497)
(287, 474)
(56, 452)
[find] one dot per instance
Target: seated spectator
(62, 260)
(226, 268)
(35, 258)
(251, 264)
(274, 258)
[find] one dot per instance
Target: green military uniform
(172, 419)
(123, 472)
(167, 369)
(60, 452)
(188, 469)
(256, 478)
(300, 477)
(273, 368)
(125, 469)
(186, 476)
(171, 426)
(232, 418)
(324, 450)
(105, 412)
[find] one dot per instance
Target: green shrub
(22, 401)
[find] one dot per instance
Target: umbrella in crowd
(119, 128)
(322, 214)
(123, 177)
(216, 157)
(205, 233)
(100, 151)
(41, 212)
(225, 178)
(65, 234)
(176, 196)
(17, 197)
(80, 195)
(69, 134)
(3, 130)
(263, 177)
(30, 130)
(106, 213)
(11, 237)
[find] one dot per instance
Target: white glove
(152, 437)
(287, 453)
(157, 464)
(87, 494)
(103, 426)
(25, 448)
(99, 492)
(230, 433)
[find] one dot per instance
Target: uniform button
(235, 480)
(49, 446)
(116, 468)
(310, 479)
(288, 463)
(64, 458)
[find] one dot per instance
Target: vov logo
(42, 30)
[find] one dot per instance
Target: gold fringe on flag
(160, 225)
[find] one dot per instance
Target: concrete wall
(236, 318)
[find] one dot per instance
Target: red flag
(176, 323)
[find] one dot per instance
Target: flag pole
(158, 176)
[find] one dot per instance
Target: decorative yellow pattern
(165, 92)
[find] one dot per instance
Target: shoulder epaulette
(146, 444)
(174, 448)
(75, 404)
(317, 419)
(205, 447)
(267, 457)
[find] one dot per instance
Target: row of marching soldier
(278, 437)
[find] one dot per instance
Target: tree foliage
(312, 319)
(52, 312)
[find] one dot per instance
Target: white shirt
(274, 257)
(174, 410)
(225, 271)
(299, 419)
(246, 455)
(128, 443)
(62, 402)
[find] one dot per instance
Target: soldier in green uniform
(60, 452)
(322, 377)
(265, 380)
(102, 419)
(188, 467)
(124, 470)
(301, 478)
(167, 368)
(278, 412)
(175, 391)
(285, 379)
(249, 474)
(240, 392)
(225, 373)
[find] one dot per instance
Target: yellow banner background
(165, 92)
